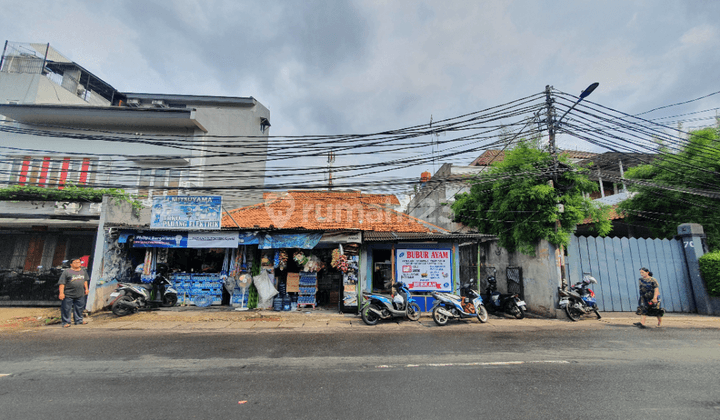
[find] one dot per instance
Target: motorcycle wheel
(516, 311)
(119, 309)
(169, 300)
(572, 313)
(482, 314)
(413, 311)
(369, 317)
(439, 318)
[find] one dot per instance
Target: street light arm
(585, 93)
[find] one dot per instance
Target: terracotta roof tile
(327, 210)
(614, 215)
(491, 156)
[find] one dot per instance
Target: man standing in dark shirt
(73, 285)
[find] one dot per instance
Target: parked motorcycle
(450, 306)
(129, 298)
(579, 300)
(377, 307)
(509, 303)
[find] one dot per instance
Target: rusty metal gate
(515, 281)
(468, 262)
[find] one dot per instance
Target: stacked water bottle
(198, 289)
(308, 288)
(284, 300)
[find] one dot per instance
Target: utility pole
(551, 124)
(330, 160)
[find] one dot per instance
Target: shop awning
(373, 236)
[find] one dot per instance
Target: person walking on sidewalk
(73, 284)
(649, 301)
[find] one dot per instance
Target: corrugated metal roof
(372, 236)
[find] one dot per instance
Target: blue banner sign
(160, 240)
(186, 212)
(186, 240)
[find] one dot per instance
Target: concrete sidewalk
(190, 319)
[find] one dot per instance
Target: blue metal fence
(615, 263)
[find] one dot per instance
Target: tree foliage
(663, 208)
(515, 201)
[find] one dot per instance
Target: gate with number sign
(615, 263)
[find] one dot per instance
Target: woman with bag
(649, 301)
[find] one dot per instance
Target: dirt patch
(19, 318)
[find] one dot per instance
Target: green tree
(515, 201)
(674, 189)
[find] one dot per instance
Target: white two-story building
(61, 125)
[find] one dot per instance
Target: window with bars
(52, 171)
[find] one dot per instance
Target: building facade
(61, 125)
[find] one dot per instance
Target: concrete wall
(235, 122)
(432, 202)
(35, 89)
(540, 281)
(120, 213)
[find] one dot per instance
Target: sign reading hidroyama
(196, 212)
(424, 270)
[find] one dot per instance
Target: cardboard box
(293, 282)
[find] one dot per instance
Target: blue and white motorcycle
(377, 307)
(579, 299)
(449, 306)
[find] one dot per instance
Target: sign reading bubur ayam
(424, 270)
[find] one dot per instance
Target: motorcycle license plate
(521, 303)
(114, 294)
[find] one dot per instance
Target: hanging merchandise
(226, 266)
(244, 266)
(314, 264)
(281, 259)
(300, 258)
(232, 272)
(339, 260)
(266, 259)
(148, 267)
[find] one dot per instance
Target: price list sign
(424, 270)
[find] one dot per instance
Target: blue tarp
(289, 240)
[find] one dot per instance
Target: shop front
(426, 263)
(250, 269)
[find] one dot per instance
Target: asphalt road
(610, 372)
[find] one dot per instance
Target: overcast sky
(336, 66)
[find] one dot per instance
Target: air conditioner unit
(159, 104)
(133, 102)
